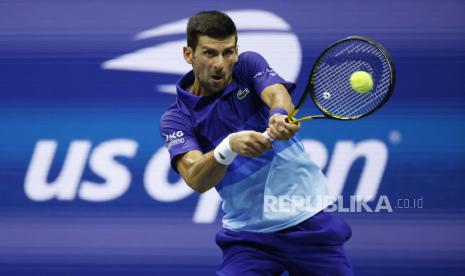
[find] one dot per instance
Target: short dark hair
(214, 24)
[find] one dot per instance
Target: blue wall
(118, 209)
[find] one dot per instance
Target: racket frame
(309, 89)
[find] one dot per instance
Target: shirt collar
(193, 101)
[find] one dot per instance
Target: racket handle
(267, 136)
(292, 121)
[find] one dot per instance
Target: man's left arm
(277, 98)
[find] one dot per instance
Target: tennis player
(214, 136)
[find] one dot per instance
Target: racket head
(329, 83)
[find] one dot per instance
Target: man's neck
(196, 89)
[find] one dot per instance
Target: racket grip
(267, 136)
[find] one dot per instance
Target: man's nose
(218, 64)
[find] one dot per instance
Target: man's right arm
(202, 171)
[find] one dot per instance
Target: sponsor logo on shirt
(176, 142)
(268, 71)
(174, 138)
(241, 94)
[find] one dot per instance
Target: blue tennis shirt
(276, 190)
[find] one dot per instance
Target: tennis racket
(330, 87)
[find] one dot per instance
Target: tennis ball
(361, 81)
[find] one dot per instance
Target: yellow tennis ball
(361, 81)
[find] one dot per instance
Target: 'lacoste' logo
(221, 156)
(242, 93)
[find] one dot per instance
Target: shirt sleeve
(178, 135)
(259, 73)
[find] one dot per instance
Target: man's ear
(188, 54)
(237, 54)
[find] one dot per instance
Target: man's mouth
(216, 77)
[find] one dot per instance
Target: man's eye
(228, 52)
(210, 53)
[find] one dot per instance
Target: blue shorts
(312, 247)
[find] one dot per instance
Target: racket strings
(339, 86)
(332, 88)
(327, 82)
(373, 103)
(340, 102)
(329, 74)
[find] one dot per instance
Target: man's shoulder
(248, 62)
(249, 56)
(175, 114)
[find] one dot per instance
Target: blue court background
(53, 88)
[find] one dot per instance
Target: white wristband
(267, 136)
(223, 152)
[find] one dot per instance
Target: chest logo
(241, 94)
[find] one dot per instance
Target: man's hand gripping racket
(350, 80)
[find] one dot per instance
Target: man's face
(212, 62)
